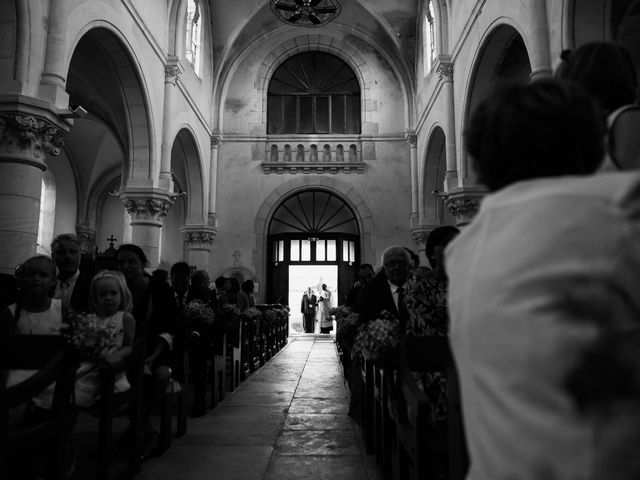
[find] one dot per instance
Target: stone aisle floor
(286, 421)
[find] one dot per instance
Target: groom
(308, 309)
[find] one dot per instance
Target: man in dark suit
(186, 292)
(308, 310)
(387, 290)
(365, 275)
(73, 287)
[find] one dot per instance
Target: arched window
(47, 218)
(192, 42)
(429, 41)
(313, 92)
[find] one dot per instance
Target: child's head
(109, 293)
(37, 276)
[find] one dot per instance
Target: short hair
(395, 249)
(545, 129)
(220, 281)
(438, 236)
(368, 266)
(130, 247)
(201, 278)
(415, 258)
(126, 299)
(605, 70)
(68, 237)
(181, 269)
(19, 271)
(235, 285)
(247, 286)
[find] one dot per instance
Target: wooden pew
(112, 404)
(421, 446)
(54, 362)
(217, 361)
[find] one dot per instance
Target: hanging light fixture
(306, 13)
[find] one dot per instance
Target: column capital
(411, 138)
(463, 203)
(29, 138)
(147, 206)
(216, 140)
(198, 237)
(87, 235)
(445, 68)
(172, 71)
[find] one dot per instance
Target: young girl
(35, 313)
(111, 301)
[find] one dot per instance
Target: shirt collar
(72, 279)
(395, 287)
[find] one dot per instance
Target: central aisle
(286, 421)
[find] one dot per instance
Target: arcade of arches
(183, 126)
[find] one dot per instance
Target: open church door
(312, 228)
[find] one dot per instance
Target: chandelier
(306, 13)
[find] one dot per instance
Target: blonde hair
(126, 299)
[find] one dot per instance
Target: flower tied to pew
(381, 340)
(198, 314)
(271, 317)
(346, 327)
(89, 335)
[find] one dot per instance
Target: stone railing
(298, 155)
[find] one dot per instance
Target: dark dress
(156, 309)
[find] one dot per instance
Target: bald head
(396, 261)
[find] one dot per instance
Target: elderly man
(387, 292)
(73, 287)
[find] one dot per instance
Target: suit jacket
(308, 306)
(374, 298)
(79, 300)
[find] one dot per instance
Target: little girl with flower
(103, 337)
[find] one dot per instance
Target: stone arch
(185, 150)
(433, 177)
(442, 13)
(354, 59)
(502, 56)
(340, 188)
(105, 78)
(176, 27)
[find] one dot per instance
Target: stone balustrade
(289, 155)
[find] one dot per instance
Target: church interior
(260, 140)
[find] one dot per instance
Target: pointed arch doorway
(313, 238)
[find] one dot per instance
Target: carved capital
(172, 72)
(147, 210)
(216, 141)
(411, 138)
(463, 207)
(198, 237)
(29, 136)
(445, 68)
(87, 236)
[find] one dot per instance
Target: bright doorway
(300, 278)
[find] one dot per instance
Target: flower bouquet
(88, 334)
(197, 314)
(346, 327)
(380, 340)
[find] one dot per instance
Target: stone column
(199, 241)
(216, 140)
(25, 139)
(540, 47)
(412, 140)
(445, 71)
(463, 203)
(172, 73)
(147, 207)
